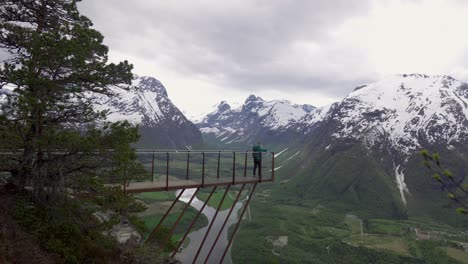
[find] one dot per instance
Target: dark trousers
(257, 164)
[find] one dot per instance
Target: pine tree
(56, 62)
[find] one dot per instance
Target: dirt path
(17, 246)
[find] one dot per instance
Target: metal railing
(177, 169)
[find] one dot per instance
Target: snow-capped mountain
(404, 111)
(364, 150)
(255, 119)
(407, 111)
(147, 104)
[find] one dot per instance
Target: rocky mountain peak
(145, 103)
(407, 110)
(161, 123)
(308, 108)
(223, 107)
(393, 119)
(359, 87)
(149, 84)
(253, 98)
(255, 117)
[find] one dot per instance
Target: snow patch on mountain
(213, 130)
(277, 168)
(290, 158)
(276, 113)
(281, 152)
(5, 90)
(400, 180)
(307, 123)
(280, 114)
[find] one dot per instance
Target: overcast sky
(314, 52)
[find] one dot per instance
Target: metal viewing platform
(181, 170)
(174, 170)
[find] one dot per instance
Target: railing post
(152, 169)
(233, 167)
(167, 171)
(155, 230)
(188, 162)
(272, 166)
(203, 169)
(260, 170)
(219, 159)
(245, 165)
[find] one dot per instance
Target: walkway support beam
(181, 242)
(168, 237)
(224, 224)
(156, 229)
(211, 224)
(238, 222)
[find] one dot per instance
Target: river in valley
(187, 254)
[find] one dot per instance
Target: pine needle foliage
(56, 62)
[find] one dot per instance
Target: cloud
(411, 36)
(306, 51)
(240, 44)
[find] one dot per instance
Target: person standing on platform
(257, 157)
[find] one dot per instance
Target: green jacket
(257, 155)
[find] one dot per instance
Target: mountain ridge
(144, 103)
(367, 145)
(255, 119)
(408, 111)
